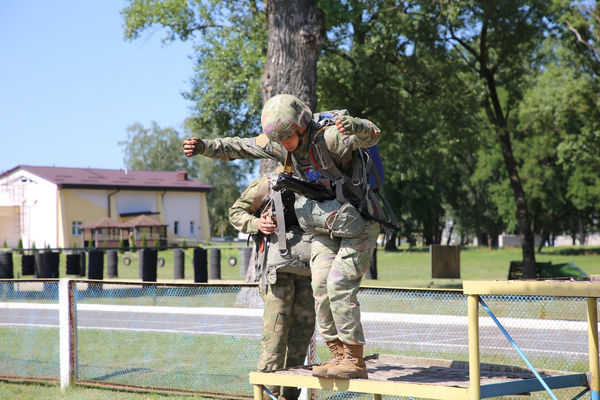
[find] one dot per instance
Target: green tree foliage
(230, 45)
(377, 65)
(155, 149)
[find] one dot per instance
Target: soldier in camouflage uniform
(289, 308)
(343, 240)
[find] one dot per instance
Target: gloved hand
(192, 147)
(348, 125)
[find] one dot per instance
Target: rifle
(310, 190)
(317, 192)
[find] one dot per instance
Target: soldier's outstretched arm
(233, 148)
(364, 132)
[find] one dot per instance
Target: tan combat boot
(351, 366)
(337, 353)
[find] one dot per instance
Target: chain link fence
(204, 338)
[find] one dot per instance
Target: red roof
(143, 220)
(104, 222)
(114, 178)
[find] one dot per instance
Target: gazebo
(104, 232)
(153, 230)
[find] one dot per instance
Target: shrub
(122, 246)
(144, 241)
(20, 246)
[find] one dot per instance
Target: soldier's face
(291, 143)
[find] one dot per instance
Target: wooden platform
(422, 377)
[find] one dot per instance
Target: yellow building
(46, 206)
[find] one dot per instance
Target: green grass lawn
(412, 267)
(402, 268)
(51, 391)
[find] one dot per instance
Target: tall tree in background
(246, 51)
(379, 64)
(154, 149)
(233, 52)
(498, 41)
(582, 22)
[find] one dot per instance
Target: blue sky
(70, 84)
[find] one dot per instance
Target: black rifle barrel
(310, 190)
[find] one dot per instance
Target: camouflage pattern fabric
(283, 115)
(288, 326)
(337, 267)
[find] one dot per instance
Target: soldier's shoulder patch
(262, 140)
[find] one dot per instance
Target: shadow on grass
(564, 270)
(405, 249)
(445, 284)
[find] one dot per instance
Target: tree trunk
(523, 218)
(390, 244)
(450, 235)
(296, 34)
(545, 238)
(498, 118)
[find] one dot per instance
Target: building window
(76, 228)
(191, 227)
(176, 227)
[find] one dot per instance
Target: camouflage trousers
(288, 326)
(337, 266)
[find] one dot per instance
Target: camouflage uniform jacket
(340, 147)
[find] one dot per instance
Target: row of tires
(46, 265)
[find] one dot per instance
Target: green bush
(20, 246)
(144, 241)
(184, 244)
(122, 246)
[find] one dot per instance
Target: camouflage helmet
(283, 115)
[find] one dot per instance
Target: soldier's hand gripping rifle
(310, 190)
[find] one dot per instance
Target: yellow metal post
(258, 392)
(474, 374)
(592, 318)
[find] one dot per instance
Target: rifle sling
(281, 240)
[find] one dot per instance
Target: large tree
(499, 41)
(379, 64)
(246, 52)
